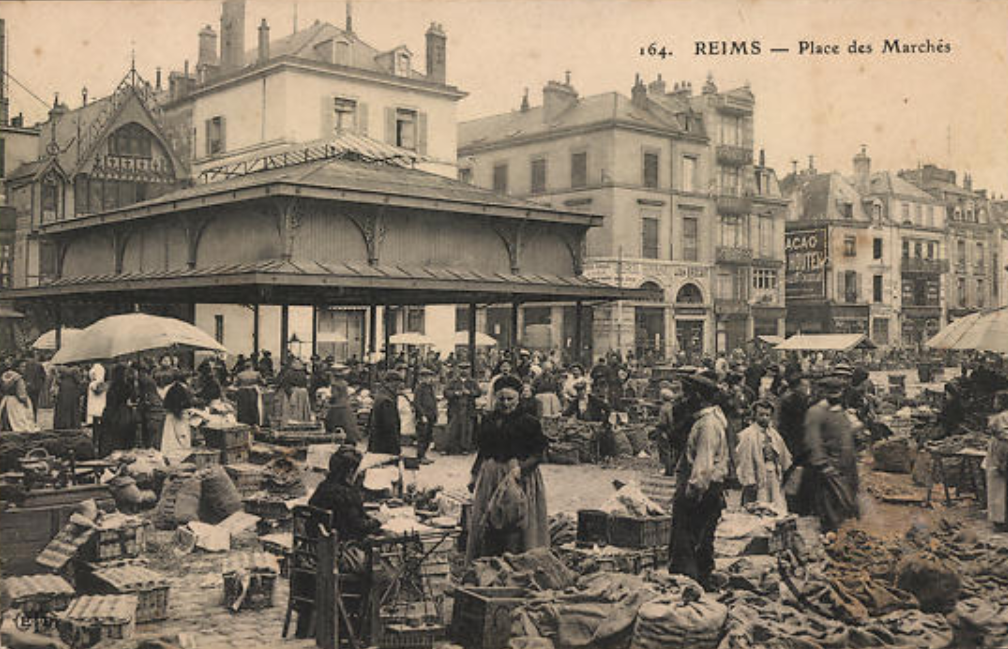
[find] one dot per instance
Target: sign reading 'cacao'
(805, 271)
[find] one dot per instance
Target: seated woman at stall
(16, 412)
(176, 438)
(585, 406)
(339, 494)
(510, 445)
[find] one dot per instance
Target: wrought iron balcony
(732, 255)
(733, 205)
(931, 266)
(735, 156)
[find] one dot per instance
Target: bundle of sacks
(207, 495)
(682, 616)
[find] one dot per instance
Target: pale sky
(948, 109)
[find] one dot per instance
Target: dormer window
(402, 64)
(342, 53)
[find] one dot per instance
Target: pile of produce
(571, 441)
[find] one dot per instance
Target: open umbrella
(132, 333)
(482, 339)
(48, 339)
(410, 338)
(985, 332)
(950, 335)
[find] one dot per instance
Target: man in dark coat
(384, 425)
(461, 393)
(425, 404)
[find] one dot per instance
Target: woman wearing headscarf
(15, 406)
(176, 437)
(69, 395)
(340, 414)
(96, 392)
(119, 420)
(510, 445)
(293, 404)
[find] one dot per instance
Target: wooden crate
(249, 580)
(227, 437)
(91, 619)
(134, 578)
(38, 595)
(203, 458)
(481, 618)
(592, 527)
(123, 538)
(235, 455)
(247, 478)
(632, 532)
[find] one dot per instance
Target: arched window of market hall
(132, 167)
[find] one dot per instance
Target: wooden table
(970, 478)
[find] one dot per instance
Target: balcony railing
(733, 255)
(933, 266)
(724, 306)
(733, 205)
(735, 156)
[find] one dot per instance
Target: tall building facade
(972, 241)
(866, 254)
(688, 213)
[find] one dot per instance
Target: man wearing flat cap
(384, 426)
(829, 486)
(699, 496)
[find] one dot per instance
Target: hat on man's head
(831, 385)
(394, 376)
(701, 384)
(843, 369)
(463, 365)
(339, 369)
(524, 353)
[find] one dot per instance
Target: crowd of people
(781, 433)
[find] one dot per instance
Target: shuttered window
(579, 169)
(538, 185)
(216, 128)
(649, 237)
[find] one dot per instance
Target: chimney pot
(232, 35)
(264, 42)
(437, 53)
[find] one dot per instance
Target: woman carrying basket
(509, 499)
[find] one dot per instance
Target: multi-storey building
(999, 216)
(673, 173)
(280, 197)
(865, 255)
(972, 239)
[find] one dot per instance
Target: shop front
(919, 325)
(767, 320)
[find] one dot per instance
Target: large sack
(219, 496)
(979, 623)
(934, 582)
(693, 620)
(621, 444)
(187, 501)
(894, 455)
(638, 437)
(508, 508)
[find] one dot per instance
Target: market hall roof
(342, 179)
(309, 282)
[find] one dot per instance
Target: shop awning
(826, 342)
(312, 283)
(771, 340)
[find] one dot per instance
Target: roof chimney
(207, 46)
(762, 158)
(968, 182)
(525, 101)
(657, 87)
(862, 170)
(232, 35)
(263, 52)
(83, 93)
(710, 88)
(349, 17)
(811, 165)
(558, 97)
(436, 53)
(638, 94)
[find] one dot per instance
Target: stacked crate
(117, 537)
(247, 478)
(36, 596)
(233, 441)
(132, 577)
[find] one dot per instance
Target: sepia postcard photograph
(504, 324)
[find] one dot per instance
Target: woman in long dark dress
(68, 413)
(119, 421)
(340, 414)
(508, 442)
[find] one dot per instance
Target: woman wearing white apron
(176, 438)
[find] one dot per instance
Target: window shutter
(207, 131)
(223, 134)
(857, 287)
(422, 133)
(362, 118)
(327, 118)
(390, 124)
(839, 297)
